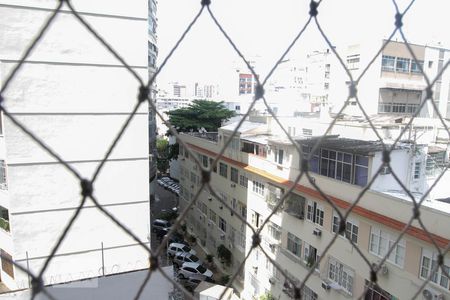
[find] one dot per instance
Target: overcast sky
(265, 28)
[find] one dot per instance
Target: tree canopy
(201, 113)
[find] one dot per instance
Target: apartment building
(75, 96)
(394, 84)
(259, 167)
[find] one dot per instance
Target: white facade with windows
(394, 83)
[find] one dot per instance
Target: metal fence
(144, 97)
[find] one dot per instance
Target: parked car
(181, 257)
(190, 283)
(177, 238)
(178, 247)
(161, 225)
(194, 271)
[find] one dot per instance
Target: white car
(177, 247)
(181, 257)
(194, 271)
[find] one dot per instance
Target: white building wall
(75, 96)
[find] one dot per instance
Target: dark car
(161, 227)
(176, 238)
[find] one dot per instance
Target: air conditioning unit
(317, 232)
(385, 170)
(325, 286)
(430, 294)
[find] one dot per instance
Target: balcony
(295, 206)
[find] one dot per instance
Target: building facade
(394, 84)
(257, 170)
(152, 119)
(75, 96)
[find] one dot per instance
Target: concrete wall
(74, 95)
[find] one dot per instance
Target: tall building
(258, 168)
(75, 96)
(394, 83)
(152, 120)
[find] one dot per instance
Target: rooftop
(344, 144)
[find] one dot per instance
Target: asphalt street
(165, 200)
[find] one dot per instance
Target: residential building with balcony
(257, 170)
(74, 96)
(394, 83)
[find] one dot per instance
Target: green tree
(267, 296)
(162, 160)
(201, 113)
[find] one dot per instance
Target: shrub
(209, 258)
(224, 279)
(224, 254)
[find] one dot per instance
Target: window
(402, 65)
(388, 63)
(223, 170)
(7, 266)
(428, 265)
(242, 209)
(234, 175)
(214, 167)
(203, 208)
(3, 182)
(326, 85)
(308, 294)
(258, 187)
(222, 224)
(361, 170)
(307, 131)
(315, 213)
(256, 219)
(234, 203)
(279, 156)
(274, 196)
(341, 274)
(381, 242)
(274, 231)
(294, 244)
(435, 162)
(243, 181)
(415, 66)
(339, 165)
(295, 206)
(240, 237)
(351, 230)
(205, 161)
(310, 256)
(417, 167)
(212, 216)
(353, 61)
